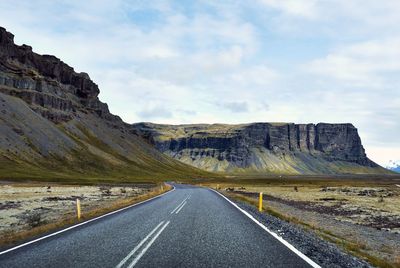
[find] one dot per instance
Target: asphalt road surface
(188, 227)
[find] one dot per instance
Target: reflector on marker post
(78, 209)
(260, 202)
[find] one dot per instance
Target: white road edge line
(180, 208)
(179, 205)
(138, 246)
(280, 239)
(133, 263)
(83, 223)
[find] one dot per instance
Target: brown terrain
(29, 209)
(360, 215)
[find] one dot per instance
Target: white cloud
(258, 75)
(155, 112)
(339, 19)
(299, 8)
(158, 51)
(361, 64)
(235, 106)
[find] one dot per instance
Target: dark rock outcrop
(47, 82)
(250, 145)
(53, 125)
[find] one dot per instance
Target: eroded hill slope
(281, 148)
(53, 126)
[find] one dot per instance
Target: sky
(238, 61)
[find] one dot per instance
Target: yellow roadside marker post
(78, 209)
(260, 202)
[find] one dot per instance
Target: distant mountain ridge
(394, 166)
(53, 125)
(263, 147)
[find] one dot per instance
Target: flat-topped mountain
(263, 147)
(53, 125)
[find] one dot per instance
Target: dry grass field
(369, 206)
(31, 209)
(360, 215)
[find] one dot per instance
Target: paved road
(189, 227)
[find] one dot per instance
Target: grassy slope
(87, 149)
(263, 160)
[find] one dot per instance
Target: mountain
(53, 126)
(396, 169)
(277, 148)
(394, 166)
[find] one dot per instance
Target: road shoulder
(324, 253)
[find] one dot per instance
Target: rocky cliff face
(52, 123)
(52, 87)
(263, 147)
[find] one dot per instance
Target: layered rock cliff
(45, 82)
(263, 147)
(53, 125)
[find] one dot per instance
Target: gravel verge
(322, 252)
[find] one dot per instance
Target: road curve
(188, 227)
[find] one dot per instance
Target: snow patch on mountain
(394, 165)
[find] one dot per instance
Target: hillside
(54, 127)
(277, 148)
